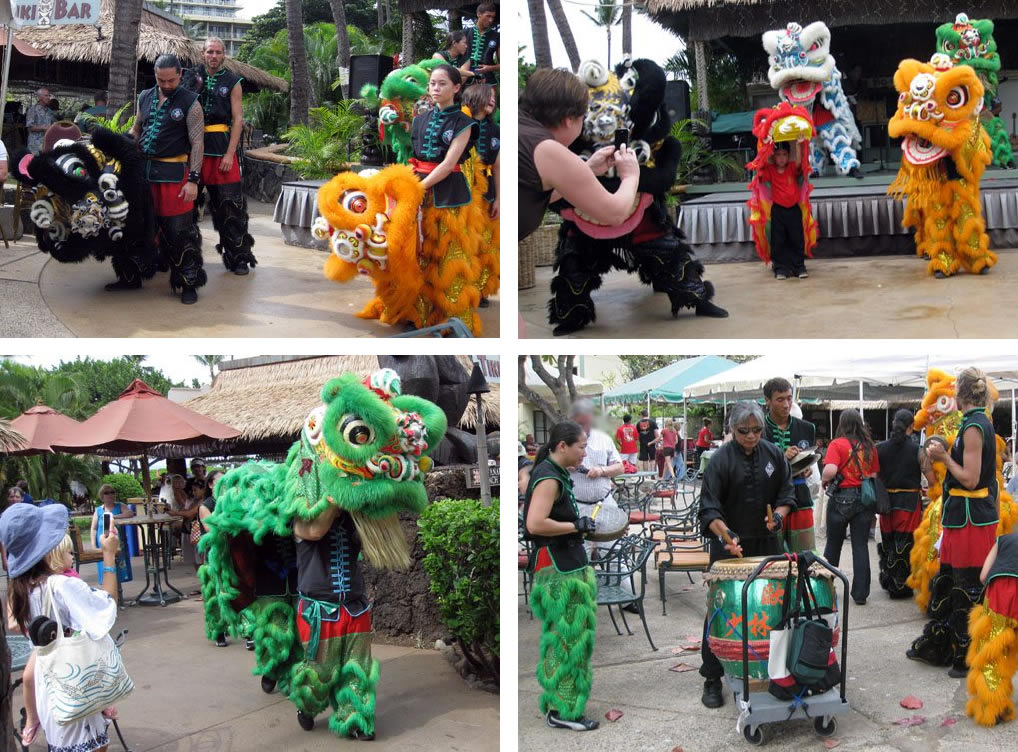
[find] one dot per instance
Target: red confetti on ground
(831, 743)
(691, 645)
(916, 720)
(682, 667)
(677, 749)
(613, 715)
(949, 722)
(912, 703)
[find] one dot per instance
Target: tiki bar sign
(54, 12)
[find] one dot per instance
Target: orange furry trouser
(993, 659)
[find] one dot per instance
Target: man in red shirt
(625, 435)
(788, 244)
(704, 440)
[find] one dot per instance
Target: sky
(252, 8)
(650, 39)
(174, 367)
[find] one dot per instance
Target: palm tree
(342, 38)
(627, 27)
(539, 31)
(124, 53)
(606, 14)
(566, 33)
(300, 77)
(406, 54)
(212, 361)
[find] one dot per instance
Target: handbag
(872, 492)
(780, 636)
(82, 675)
(809, 648)
(195, 530)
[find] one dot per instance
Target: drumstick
(597, 508)
(770, 516)
(728, 540)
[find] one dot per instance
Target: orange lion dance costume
(771, 125)
(944, 153)
(423, 261)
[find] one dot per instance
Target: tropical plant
(696, 155)
(327, 145)
(606, 14)
(726, 78)
(125, 484)
(539, 33)
(114, 124)
(211, 362)
(523, 69)
(267, 111)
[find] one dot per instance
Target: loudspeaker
(677, 100)
(368, 69)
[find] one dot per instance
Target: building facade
(213, 18)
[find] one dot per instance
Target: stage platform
(855, 217)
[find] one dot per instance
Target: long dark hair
(21, 586)
(453, 37)
(454, 76)
(899, 426)
(851, 427)
(567, 430)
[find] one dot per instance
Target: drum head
(803, 460)
(610, 523)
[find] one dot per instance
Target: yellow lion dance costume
(424, 261)
(944, 153)
(939, 416)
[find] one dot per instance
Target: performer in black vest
(169, 130)
(482, 45)
(791, 435)
(969, 520)
(220, 94)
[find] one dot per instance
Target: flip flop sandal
(29, 733)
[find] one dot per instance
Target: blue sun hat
(29, 532)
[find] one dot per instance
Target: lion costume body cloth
(647, 242)
(357, 464)
(803, 71)
(971, 42)
(944, 153)
(946, 590)
(771, 126)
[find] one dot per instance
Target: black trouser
(180, 244)
(844, 511)
(945, 638)
(228, 206)
(711, 667)
(788, 246)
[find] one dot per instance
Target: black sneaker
(221, 641)
(362, 736)
(708, 309)
(914, 655)
(240, 269)
(189, 295)
(713, 696)
(122, 284)
(581, 724)
(958, 672)
(249, 643)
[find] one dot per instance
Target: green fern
(113, 123)
(327, 145)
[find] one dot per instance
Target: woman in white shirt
(37, 546)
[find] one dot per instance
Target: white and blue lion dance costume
(803, 71)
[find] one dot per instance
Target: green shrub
(126, 484)
(460, 538)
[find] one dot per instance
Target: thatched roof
(268, 402)
(714, 19)
(415, 6)
(90, 44)
(10, 439)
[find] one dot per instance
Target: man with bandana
(219, 94)
(482, 45)
(791, 435)
(169, 128)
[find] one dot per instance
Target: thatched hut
(872, 34)
(78, 57)
(267, 399)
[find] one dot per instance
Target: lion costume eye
(354, 201)
(949, 46)
(72, 166)
(356, 431)
(957, 97)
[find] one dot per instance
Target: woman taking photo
(552, 109)
(39, 549)
(451, 223)
(564, 594)
(850, 458)
(901, 473)
(110, 506)
(969, 520)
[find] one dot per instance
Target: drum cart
(759, 708)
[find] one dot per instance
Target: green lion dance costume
(971, 43)
(397, 104)
(284, 543)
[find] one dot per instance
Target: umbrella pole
(45, 460)
(146, 479)
(6, 69)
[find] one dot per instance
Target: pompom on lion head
(370, 222)
(939, 414)
(938, 116)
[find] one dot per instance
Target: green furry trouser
(339, 671)
(270, 623)
(566, 604)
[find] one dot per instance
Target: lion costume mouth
(801, 92)
(365, 245)
(594, 229)
(919, 151)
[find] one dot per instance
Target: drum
(764, 601)
(611, 523)
(803, 460)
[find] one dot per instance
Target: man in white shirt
(601, 463)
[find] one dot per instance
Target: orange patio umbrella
(40, 425)
(137, 420)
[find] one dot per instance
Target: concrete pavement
(285, 296)
(190, 695)
(662, 708)
(875, 296)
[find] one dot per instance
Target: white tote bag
(82, 675)
(777, 661)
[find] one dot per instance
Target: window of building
(541, 427)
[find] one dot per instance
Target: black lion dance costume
(90, 200)
(647, 242)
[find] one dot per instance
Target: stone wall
(263, 179)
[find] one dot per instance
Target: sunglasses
(109, 493)
(746, 431)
